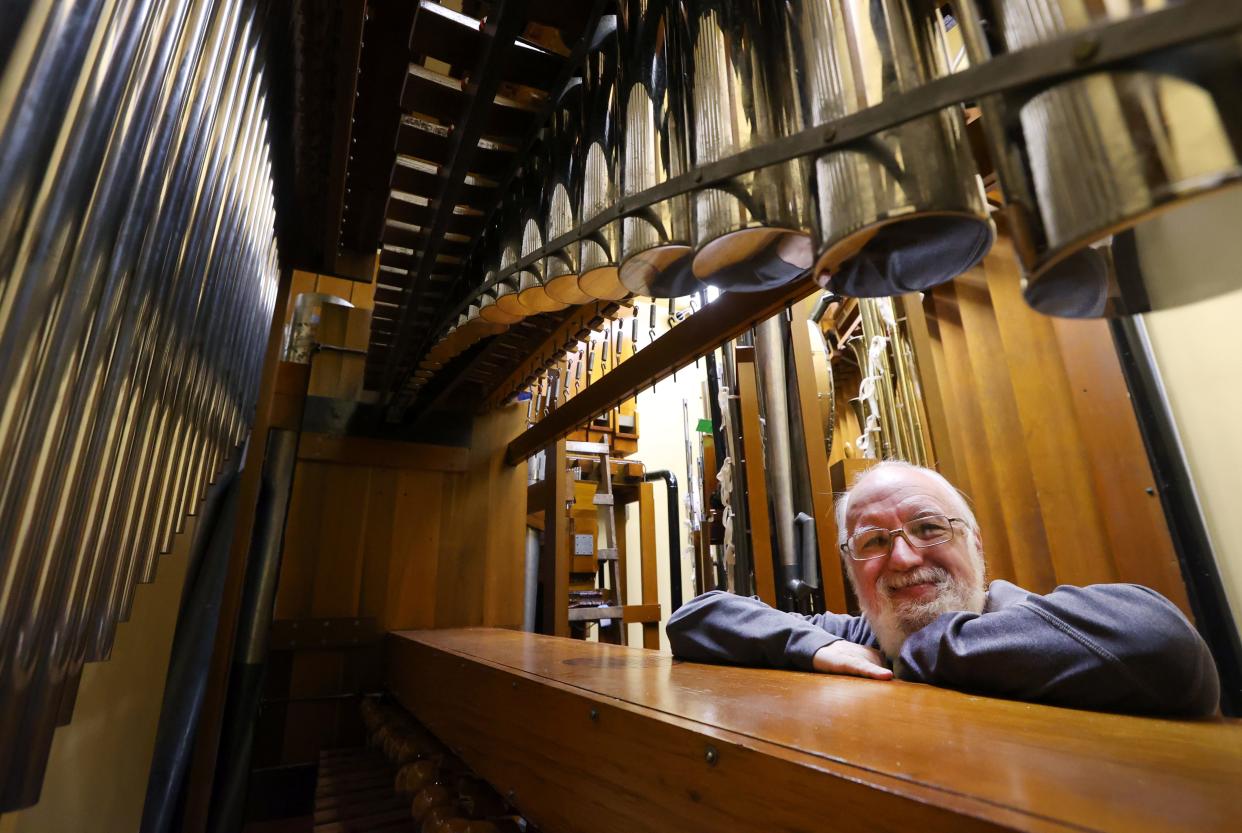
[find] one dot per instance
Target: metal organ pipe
(138, 274)
(778, 454)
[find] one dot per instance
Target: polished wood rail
(590, 737)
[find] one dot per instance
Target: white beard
(893, 622)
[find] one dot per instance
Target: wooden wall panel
(1077, 546)
(1124, 487)
(1044, 438)
(1002, 429)
(966, 416)
(483, 550)
(342, 530)
(298, 559)
(417, 513)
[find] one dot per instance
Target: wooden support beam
(586, 736)
(727, 317)
(756, 482)
(832, 579)
(647, 548)
(554, 561)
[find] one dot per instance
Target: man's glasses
(927, 531)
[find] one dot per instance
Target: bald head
(897, 475)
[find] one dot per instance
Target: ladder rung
(602, 500)
(606, 554)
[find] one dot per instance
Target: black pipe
(185, 684)
(674, 534)
(1175, 488)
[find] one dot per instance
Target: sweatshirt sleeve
(724, 627)
(1112, 647)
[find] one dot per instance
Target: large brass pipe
(600, 148)
(904, 209)
(655, 242)
(1144, 147)
(533, 185)
(753, 231)
(562, 197)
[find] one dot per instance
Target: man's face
(905, 591)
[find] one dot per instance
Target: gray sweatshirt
(1111, 647)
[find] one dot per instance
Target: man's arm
(724, 627)
(1113, 647)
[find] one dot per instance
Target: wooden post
(831, 578)
(651, 582)
(554, 561)
(756, 483)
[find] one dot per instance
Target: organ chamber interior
(382, 378)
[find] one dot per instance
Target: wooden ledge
(606, 738)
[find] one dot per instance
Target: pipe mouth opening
(536, 299)
(754, 259)
(603, 283)
(659, 272)
(510, 305)
(1077, 286)
(906, 255)
(495, 314)
(1178, 252)
(565, 289)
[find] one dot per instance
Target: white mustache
(923, 575)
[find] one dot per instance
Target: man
(914, 557)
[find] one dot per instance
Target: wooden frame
(584, 736)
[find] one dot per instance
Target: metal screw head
(595, 714)
(1086, 49)
(711, 755)
(510, 796)
(513, 684)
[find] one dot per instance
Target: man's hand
(844, 657)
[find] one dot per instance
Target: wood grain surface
(607, 738)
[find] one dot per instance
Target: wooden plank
(554, 560)
(650, 574)
(1077, 544)
(682, 746)
(931, 382)
(378, 550)
(1138, 534)
(289, 395)
(338, 287)
(362, 451)
(295, 588)
(968, 418)
(414, 558)
(727, 317)
(342, 529)
(642, 614)
(832, 579)
(756, 482)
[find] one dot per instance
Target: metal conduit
(138, 274)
